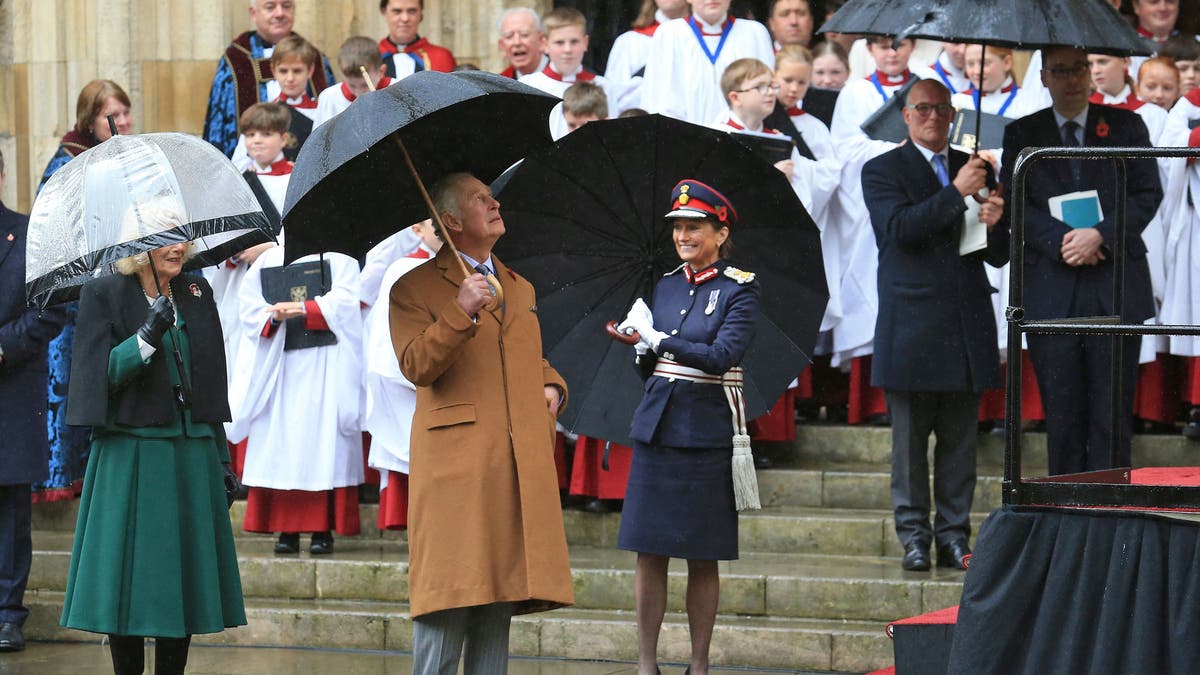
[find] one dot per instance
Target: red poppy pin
(195, 289)
(722, 213)
(1102, 129)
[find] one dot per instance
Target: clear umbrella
(132, 194)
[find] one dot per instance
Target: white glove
(640, 319)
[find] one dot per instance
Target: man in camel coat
(486, 538)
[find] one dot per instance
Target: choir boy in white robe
(264, 128)
(1181, 293)
(631, 50)
(687, 57)
(750, 89)
(1114, 86)
(300, 408)
(293, 63)
(565, 43)
(855, 332)
(390, 398)
(1158, 82)
(356, 54)
(949, 68)
(1004, 97)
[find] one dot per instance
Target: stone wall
(164, 53)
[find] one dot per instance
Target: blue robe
(221, 120)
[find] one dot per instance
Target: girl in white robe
(300, 409)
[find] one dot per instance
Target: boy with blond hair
(584, 102)
(357, 54)
(293, 62)
(565, 41)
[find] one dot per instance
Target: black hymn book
(299, 282)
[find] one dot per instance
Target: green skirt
(153, 552)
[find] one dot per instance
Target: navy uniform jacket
(24, 334)
(1051, 285)
(709, 326)
(936, 330)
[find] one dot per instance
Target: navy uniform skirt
(679, 503)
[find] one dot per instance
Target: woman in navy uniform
(680, 500)
(154, 552)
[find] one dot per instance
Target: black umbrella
(351, 187)
(585, 225)
(1091, 25)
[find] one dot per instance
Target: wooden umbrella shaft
(493, 282)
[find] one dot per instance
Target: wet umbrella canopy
(1092, 25)
(132, 194)
(584, 223)
(351, 187)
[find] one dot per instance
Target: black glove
(159, 318)
(233, 486)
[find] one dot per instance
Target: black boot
(321, 544)
(128, 654)
(170, 655)
(289, 542)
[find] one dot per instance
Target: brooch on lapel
(195, 289)
(1102, 129)
(533, 308)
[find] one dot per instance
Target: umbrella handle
(611, 329)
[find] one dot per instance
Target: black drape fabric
(1057, 591)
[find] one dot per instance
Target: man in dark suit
(1069, 272)
(24, 333)
(935, 338)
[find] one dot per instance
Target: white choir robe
(300, 409)
(391, 399)
(862, 64)
(816, 135)
(848, 216)
(1039, 95)
(379, 258)
(628, 56)
(226, 281)
(1181, 289)
(681, 82)
(613, 91)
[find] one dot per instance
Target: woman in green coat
(153, 553)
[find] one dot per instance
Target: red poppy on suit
(1102, 129)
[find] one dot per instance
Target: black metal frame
(1103, 488)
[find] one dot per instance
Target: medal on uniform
(712, 302)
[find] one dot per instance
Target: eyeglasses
(763, 89)
(1063, 72)
(925, 109)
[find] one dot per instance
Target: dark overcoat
(24, 333)
(935, 330)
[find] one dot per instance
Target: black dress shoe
(955, 554)
(595, 505)
(916, 557)
(288, 543)
(11, 639)
(1191, 430)
(321, 544)
(762, 462)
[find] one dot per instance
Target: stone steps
(756, 642)
(781, 585)
(827, 445)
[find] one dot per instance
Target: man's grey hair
(445, 194)
(537, 20)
